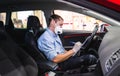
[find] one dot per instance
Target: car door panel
(69, 38)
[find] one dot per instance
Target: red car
(95, 23)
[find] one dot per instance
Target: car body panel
(105, 43)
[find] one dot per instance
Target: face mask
(58, 30)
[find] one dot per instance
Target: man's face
(59, 23)
(58, 27)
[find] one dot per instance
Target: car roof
(105, 7)
(81, 6)
(111, 4)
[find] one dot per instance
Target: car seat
(31, 37)
(34, 25)
(14, 61)
(33, 30)
(109, 53)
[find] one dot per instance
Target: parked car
(95, 23)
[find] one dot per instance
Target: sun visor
(109, 52)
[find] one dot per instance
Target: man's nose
(61, 25)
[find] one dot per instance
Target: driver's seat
(32, 49)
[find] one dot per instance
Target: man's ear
(53, 22)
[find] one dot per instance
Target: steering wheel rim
(88, 40)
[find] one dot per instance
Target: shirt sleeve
(47, 47)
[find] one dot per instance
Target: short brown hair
(55, 17)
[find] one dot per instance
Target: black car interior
(20, 56)
(31, 62)
(14, 61)
(30, 48)
(33, 31)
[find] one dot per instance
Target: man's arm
(62, 57)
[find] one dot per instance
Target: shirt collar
(51, 33)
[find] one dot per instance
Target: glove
(76, 47)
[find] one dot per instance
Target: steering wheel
(88, 40)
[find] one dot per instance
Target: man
(50, 44)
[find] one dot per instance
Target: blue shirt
(50, 44)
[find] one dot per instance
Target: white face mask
(58, 30)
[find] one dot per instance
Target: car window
(77, 21)
(3, 17)
(19, 18)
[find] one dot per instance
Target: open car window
(3, 17)
(19, 18)
(77, 21)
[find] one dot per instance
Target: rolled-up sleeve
(47, 47)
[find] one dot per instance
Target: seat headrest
(33, 22)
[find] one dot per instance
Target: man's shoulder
(45, 35)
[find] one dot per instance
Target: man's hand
(76, 47)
